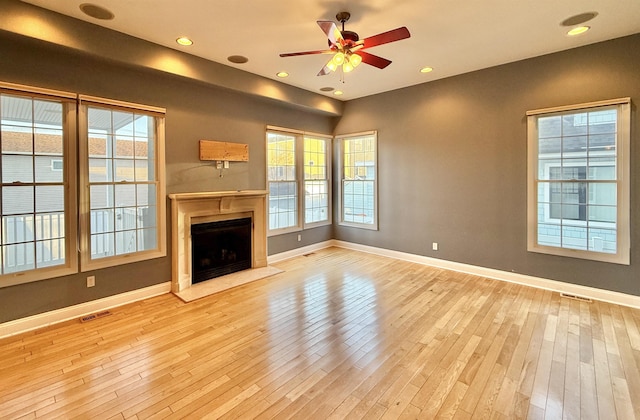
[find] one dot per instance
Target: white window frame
(622, 255)
(341, 140)
(70, 265)
(297, 135)
(327, 179)
(86, 262)
(300, 180)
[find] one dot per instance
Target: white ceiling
(453, 37)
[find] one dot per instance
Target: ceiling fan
(347, 47)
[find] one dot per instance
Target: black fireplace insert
(220, 248)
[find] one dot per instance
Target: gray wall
(194, 111)
(453, 161)
(452, 157)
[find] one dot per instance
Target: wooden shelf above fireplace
(221, 151)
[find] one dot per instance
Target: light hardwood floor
(339, 334)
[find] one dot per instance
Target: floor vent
(91, 317)
(576, 297)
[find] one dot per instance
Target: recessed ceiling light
(282, 74)
(184, 41)
(96, 11)
(237, 59)
(426, 70)
(337, 92)
(326, 89)
(579, 19)
(578, 30)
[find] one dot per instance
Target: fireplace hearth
(220, 248)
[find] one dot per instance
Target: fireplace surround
(189, 209)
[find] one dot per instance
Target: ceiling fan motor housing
(347, 35)
(350, 36)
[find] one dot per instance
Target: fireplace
(191, 211)
(219, 248)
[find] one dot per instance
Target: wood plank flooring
(339, 335)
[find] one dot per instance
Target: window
(298, 174)
(578, 201)
(37, 229)
(358, 180)
(283, 181)
(121, 157)
(122, 161)
(316, 180)
(57, 165)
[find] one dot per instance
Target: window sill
(13, 279)
(90, 265)
(359, 225)
(619, 258)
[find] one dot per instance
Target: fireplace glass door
(220, 248)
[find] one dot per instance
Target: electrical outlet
(299, 238)
(91, 281)
(434, 246)
(226, 164)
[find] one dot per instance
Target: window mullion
(299, 171)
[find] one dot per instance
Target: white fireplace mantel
(203, 207)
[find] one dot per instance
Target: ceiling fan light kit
(347, 47)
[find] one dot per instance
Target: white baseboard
(64, 314)
(537, 282)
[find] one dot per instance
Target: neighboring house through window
(579, 181)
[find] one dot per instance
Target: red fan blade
(307, 53)
(331, 30)
(386, 37)
(373, 60)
